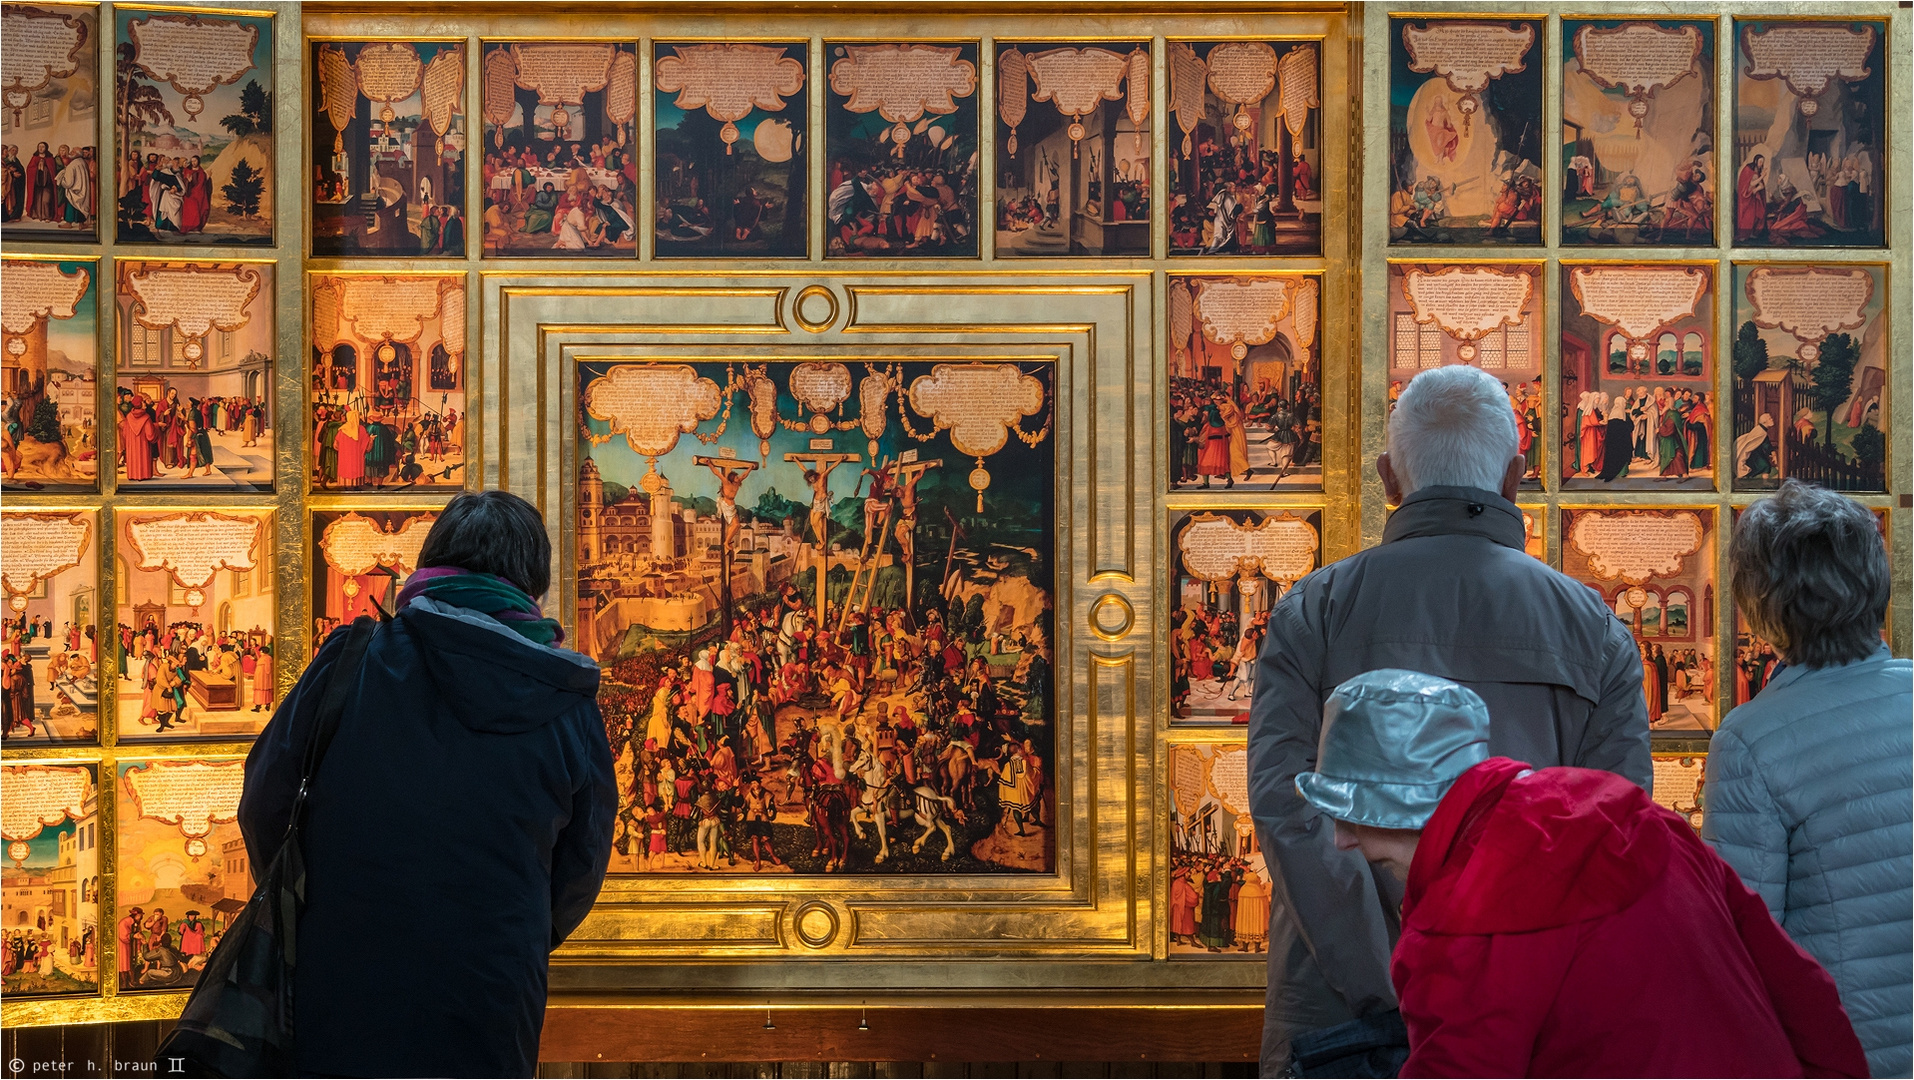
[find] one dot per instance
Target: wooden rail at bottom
(650, 1031)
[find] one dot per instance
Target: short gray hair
(1453, 427)
(1810, 575)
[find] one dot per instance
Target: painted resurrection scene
(194, 138)
(823, 603)
(1465, 131)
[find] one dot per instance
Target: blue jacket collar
(1792, 673)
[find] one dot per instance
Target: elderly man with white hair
(1449, 592)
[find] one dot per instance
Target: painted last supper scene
(822, 596)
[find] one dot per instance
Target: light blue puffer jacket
(1808, 798)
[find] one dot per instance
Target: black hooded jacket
(457, 830)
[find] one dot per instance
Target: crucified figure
(819, 479)
(730, 474)
(875, 504)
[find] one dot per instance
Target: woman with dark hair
(1808, 785)
(461, 818)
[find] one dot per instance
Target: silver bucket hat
(1393, 742)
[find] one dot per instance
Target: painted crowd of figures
(1213, 424)
(57, 186)
(353, 450)
(783, 729)
(1216, 652)
(77, 660)
(35, 951)
(166, 660)
(173, 195)
(1672, 676)
(177, 435)
(581, 197)
(156, 952)
(1661, 432)
(1218, 903)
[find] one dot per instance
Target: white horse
(931, 811)
(871, 801)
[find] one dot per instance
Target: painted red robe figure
(1751, 198)
(262, 681)
(1212, 458)
(1183, 899)
(351, 441)
(196, 207)
(43, 185)
(138, 441)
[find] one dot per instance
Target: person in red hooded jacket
(1557, 922)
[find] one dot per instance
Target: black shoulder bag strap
(332, 706)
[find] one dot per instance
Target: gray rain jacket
(1449, 592)
(1808, 798)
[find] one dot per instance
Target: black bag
(1373, 1045)
(238, 1021)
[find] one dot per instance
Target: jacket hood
(491, 678)
(1513, 849)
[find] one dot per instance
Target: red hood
(1511, 850)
